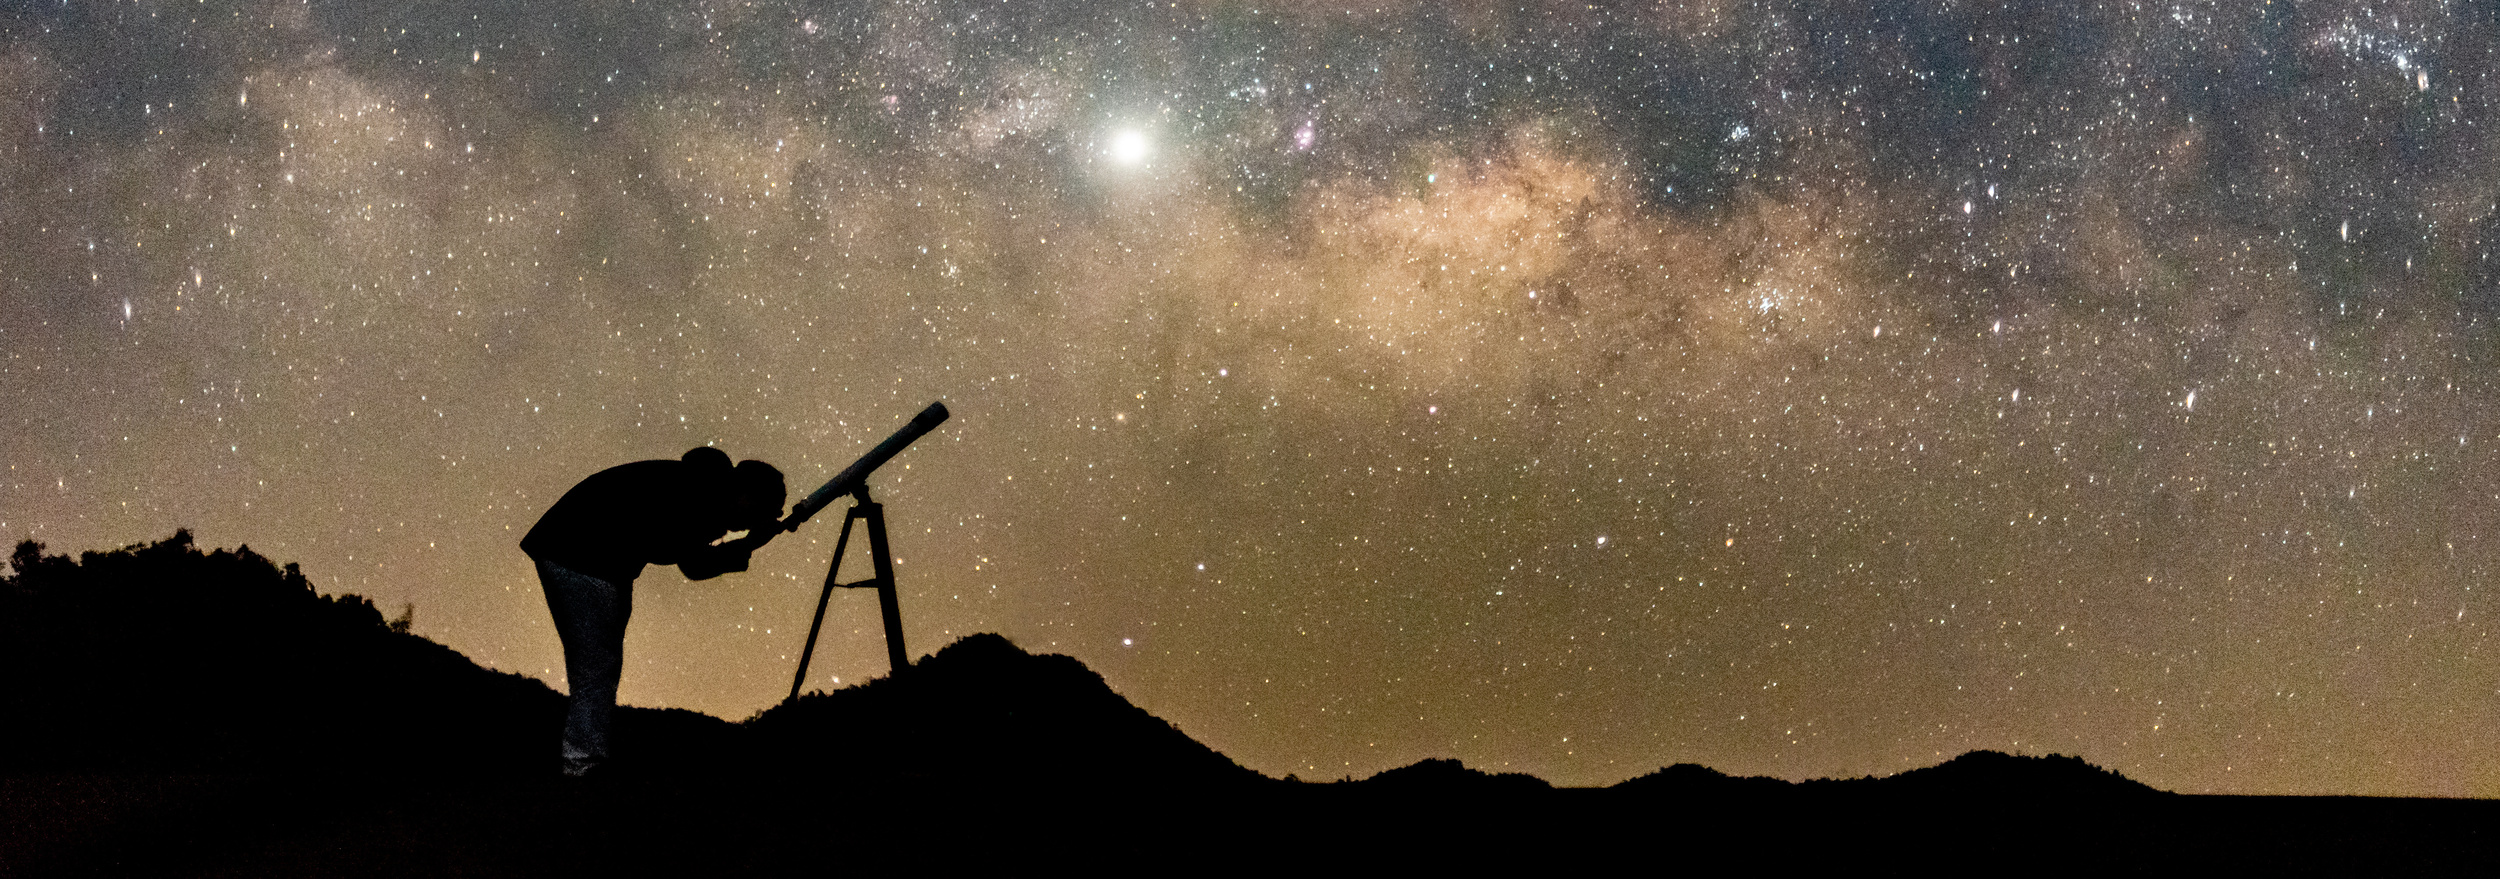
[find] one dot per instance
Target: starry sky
(1800, 389)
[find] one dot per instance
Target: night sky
(1801, 389)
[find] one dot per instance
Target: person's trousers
(590, 619)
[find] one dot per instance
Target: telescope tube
(854, 477)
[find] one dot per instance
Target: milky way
(1793, 388)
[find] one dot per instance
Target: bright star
(1130, 147)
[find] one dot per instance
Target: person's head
(713, 463)
(760, 491)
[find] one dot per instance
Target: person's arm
(728, 557)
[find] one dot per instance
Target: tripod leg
(839, 544)
(886, 604)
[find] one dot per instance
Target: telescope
(853, 481)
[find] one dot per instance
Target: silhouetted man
(596, 539)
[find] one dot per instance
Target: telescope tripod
(874, 514)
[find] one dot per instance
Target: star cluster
(1798, 389)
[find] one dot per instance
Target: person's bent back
(594, 541)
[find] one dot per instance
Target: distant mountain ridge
(1976, 774)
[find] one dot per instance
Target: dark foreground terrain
(305, 735)
(344, 825)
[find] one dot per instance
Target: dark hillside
(163, 657)
(1450, 778)
(1994, 775)
(983, 709)
(1695, 781)
(173, 711)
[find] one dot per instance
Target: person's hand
(761, 533)
(728, 557)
